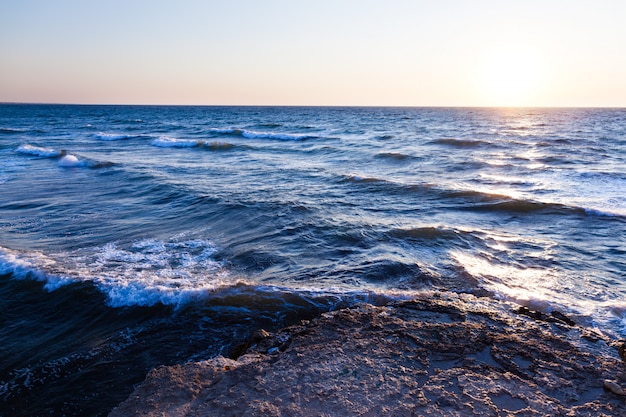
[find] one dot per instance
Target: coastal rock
(442, 355)
(622, 350)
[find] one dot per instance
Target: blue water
(134, 236)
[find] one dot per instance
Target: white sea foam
(12, 130)
(251, 134)
(70, 161)
(617, 211)
(224, 130)
(167, 142)
(145, 273)
(112, 136)
(151, 272)
(28, 149)
(33, 265)
(272, 135)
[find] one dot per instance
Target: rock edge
(442, 355)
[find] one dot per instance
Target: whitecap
(70, 161)
(10, 130)
(151, 272)
(272, 135)
(606, 212)
(33, 265)
(167, 142)
(27, 149)
(252, 134)
(112, 136)
(223, 130)
(148, 272)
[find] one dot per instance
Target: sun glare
(511, 77)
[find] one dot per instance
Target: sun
(511, 76)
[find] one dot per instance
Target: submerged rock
(441, 355)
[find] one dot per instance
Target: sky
(549, 53)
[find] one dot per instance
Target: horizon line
(309, 105)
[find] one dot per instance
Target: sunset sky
(393, 52)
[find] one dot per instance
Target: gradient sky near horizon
(340, 52)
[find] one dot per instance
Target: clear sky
(322, 52)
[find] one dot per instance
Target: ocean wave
(32, 265)
(479, 200)
(476, 200)
(146, 273)
(70, 161)
(427, 233)
(462, 143)
(65, 159)
(168, 142)
(394, 156)
(537, 288)
(618, 213)
(109, 137)
(11, 130)
(251, 134)
(153, 272)
(355, 178)
(219, 146)
(73, 161)
(28, 149)
(272, 125)
(501, 203)
(505, 180)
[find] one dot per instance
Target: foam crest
(167, 142)
(146, 273)
(176, 273)
(11, 130)
(152, 271)
(32, 265)
(71, 161)
(28, 149)
(272, 135)
(252, 134)
(607, 212)
(112, 136)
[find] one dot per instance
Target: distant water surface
(134, 236)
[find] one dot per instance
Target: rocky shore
(443, 354)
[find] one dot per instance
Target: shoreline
(440, 354)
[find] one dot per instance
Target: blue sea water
(135, 236)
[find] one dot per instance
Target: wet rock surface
(443, 354)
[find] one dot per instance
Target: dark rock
(621, 350)
(554, 317)
(557, 315)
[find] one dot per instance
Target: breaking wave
(167, 142)
(27, 149)
(251, 134)
(113, 136)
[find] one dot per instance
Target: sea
(139, 236)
